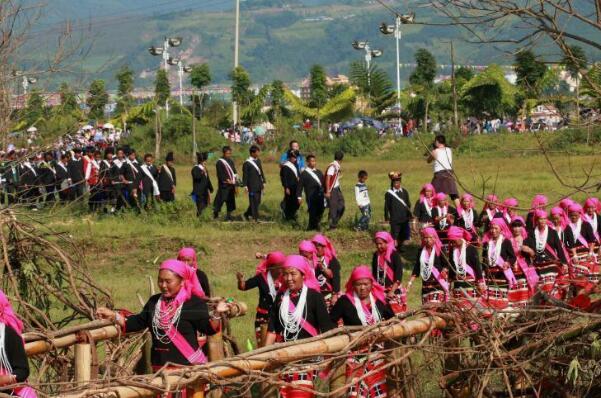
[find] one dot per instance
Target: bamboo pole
(235, 366)
(83, 362)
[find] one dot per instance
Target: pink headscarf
(188, 252)
(390, 246)
(540, 213)
(593, 202)
(539, 201)
(8, 316)
(565, 204)
(501, 224)
(575, 208)
(458, 233)
(300, 263)
(429, 231)
(440, 197)
(321, 240)
(507, 203)
(364, 272)
(470, 200)
(190, 284)
(309, 247)
(558, 211)
(523, 231)
(271, 259)
(422, 193)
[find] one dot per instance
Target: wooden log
(232, 367)
(83, 362)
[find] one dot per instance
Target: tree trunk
(194, 126)
(426, 116)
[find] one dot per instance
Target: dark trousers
(77, 190)
(167, 196)
(28, 194)
(400, 231)
(96, 197)
(132, 200)
(363, 223)
(336, 205)
(122, 197)
(201, 204)
(316, 209)
(50, 190)
(149, 200)
(227, 195)
(254, 201)
(290, 205)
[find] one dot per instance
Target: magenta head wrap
(272, 258)
(188, 252)
(440, 197)
(539, 201)
(558, 211)
(565, 203)
(300, 263)
(575, 208)
(390, 245)
(510, 202)
(470, 203)
(8, 316)
(499, 222)
(429, 231)
(190, 283)
(309, 247)
(458, 233)
(523, 231)
(540, 213)
(593, 202)
(422, 193)
(321, 240)
(364, 272)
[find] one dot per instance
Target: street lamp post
(164, 53)
(369, 54)
(181, 69)
(396, 30)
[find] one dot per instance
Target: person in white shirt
(442, 158)
(333, 193)
(362, 198)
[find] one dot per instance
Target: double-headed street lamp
(369, 54)
(26, 81)
(396, 30)
(181, 69)
(164, 52)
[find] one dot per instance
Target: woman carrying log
(298, 313)
(432, 268)
(188, 256)
(328, 269)
(499, 260)
(174, 317)
(363, 304)
(268, 280)
(465, 268)
(14, 368)
(387, 270)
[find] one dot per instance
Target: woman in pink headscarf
(268, 280)
(489, 211)
(432, 267)
(510, 206)
(299, 312)
(465, 273)
(592, 208)
(188, 256)
(307, 249)
(468, 218)
(14, 368)
(363, 304)
(547, 256)
(328, 269)
(526, 276)
(387, 270)
(423, 207)
(559, 221)
(174, 317)
(498, 262)
(579, 236)
(539, 202)
(444, 215)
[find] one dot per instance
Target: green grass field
(123, 252)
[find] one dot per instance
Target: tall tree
(125, 79)
(200, 77)
(162, 89)
(68, 98)
(489, 93)
(374, 85)
(319, 90)
(241, 92)
(35, 106)
(422, 79)
(530, 71)
(278, 103)
(575, 61)
(97, 99)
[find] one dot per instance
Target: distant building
(305, 86)
(546, 113)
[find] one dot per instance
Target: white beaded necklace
(162, 321)
(292, 321)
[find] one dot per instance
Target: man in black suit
(397, 210)
(29, 181)
(48, 176)
(130, 176)
(167, 179)
(201, 183)
(311, 181)
(63, 180)
(253, 179)
(149, 175)
(77, 174)
(226, 180)
(289, 178)
(116, 180)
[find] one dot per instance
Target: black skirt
(444, 181)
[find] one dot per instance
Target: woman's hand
(222, 308)
(259, 255)
(105, 313)
(6, 380)
(239, 276)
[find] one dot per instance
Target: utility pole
(397, 36)
(236, 48)
(454, 84)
